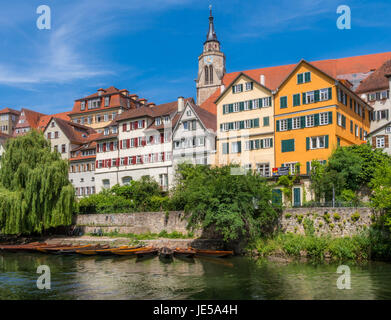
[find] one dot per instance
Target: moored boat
(62, 249)
(166, 254)
(129, 252)
(213, 253)
(146, 252)
(186, 253)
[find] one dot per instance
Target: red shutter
(124, 127)
(128, 143)
(161, 137)
(96, 164)
(143, 123)
(163, 156)
(144, 141)
(136, 124)
(104, 147)
(111, 146)
(150, 157)
(118, 162)
(126, 161)
(151, 139)
(120, 144)
(136, 142)
(142, 159)
(134, 160)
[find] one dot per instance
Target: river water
(79, 277)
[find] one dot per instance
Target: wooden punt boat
(62, 249)
(145, 252)
(166, 254)
(213, 253)
(109, 251)
(26, 247)
(92, 250)
(130, 252)
(186, 253)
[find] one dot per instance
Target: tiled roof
(9, 110)
(109, 90)
(333, 67)
(75, 132)
(44, 120)
(107, 136)
(207, 118)
(377, 80)
(32, 119)
(78, 158)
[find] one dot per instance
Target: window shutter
(271, 142)
(330, 116)
(316, 95)
(307, 76)
(326, 141)
(257, 144)
(96, 163)
(251, 144)
(221, 126)
(239, 146)
(124, 127)
(308, 168)
(290, 124)
(373, 142)
(304, 97)
(250, 104)
(224, 108)
(278, 125)
(316, 119)
(128, 143)
(256, 123)
(231, 108)
(330, 93)
(307, 143)
(386, 141)
(143, 123)
(241, 106)
(233, 89)
(262, 144)
(260, 103)
(343, 121)
(302, 121)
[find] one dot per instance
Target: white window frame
(380, 142)
(323, 118)
(309, 120)
(284, 125)
(296, 123)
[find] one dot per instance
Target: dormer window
(83, 105)
(93, 104)
(107, 131)
(114, 129)
(188, 113)
(237, 88)
(303, 77)
(107, 101)
(249, 86)
(53, 124)
(167, 119)
(158, 121)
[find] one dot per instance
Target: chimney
(222, 88)
(262, 79)
(100, 91)
(181, 104)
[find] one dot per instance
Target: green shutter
(278, 125)
(239, 146)
(262, 144)
(223, 108)
(251, 144)
(302, 121)
(271, 142)
(230, 108)
(316, 95)
(241, 106)
(326, 142)
(330, 93)
(304, 97)
(307, 143)
(316, 119)
(330, 116)
(290, 124)
(343, 121)
(233, 91)
(265, 121)
(300, 78)
(250, 104)
(241, 124)
(288, 145)
(257, 144)
(283, 102)
(296, 99)
(307, 76)
(308, 168)
(260, 102)
(221, 126)
(256, 123)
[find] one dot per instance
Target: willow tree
(35, 193)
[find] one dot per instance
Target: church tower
(211, 65)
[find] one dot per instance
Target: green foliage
(326, 217)
(138, 196)
(299, 218)
(336, 216)
(355, 217)
(309, 227)
(35, 193)
(145, 236)
(236, 206)
(288, 216)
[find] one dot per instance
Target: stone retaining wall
(338, 222)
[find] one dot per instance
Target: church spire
(211, 36)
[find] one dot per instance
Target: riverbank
(370, 245)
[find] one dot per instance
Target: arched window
(126, 180)
(206, 71)
(210, 74)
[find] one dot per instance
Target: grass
(145, 236)
(357, 247)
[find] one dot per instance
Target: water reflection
(78, 277)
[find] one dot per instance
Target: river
(78, 277)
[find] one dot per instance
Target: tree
(236, 206)
(35, 193)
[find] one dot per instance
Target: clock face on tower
(208, 59)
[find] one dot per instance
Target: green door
(296, 197)
(276, 196)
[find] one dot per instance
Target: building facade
(194, 136)
(98, 110)
(245, 125)
(8, 120)
(315, 113)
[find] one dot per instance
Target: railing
(331, 204)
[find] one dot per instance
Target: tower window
(206, 75)
(210, 74)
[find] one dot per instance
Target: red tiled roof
(377, 80)
(75, 132)
(78, 158)
(275, 75)
(31, 119)
(207, 118)
(9, 110)
(44, 120)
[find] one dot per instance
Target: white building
(138, 143)
(194, 136)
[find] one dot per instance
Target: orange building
(314, 113)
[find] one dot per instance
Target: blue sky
(151, 47)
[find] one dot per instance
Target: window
(318, 142)
(296, 123)
(107, 101)
(283, 102)
(82, 105)
(323, 118)
(296, 100)
(126, 181)
(382, 114)
(106, 183)
(236, 107)
(283, 125)
(107, 131)
(237, 88)
(201, 141)
(380, 142)
(339, 119)
(288, 145)
(63, 148)
(188, 112)
(324, 94)
(236, 147)
(310, 97)
(185, 126)
(249, 86)
(291, 166)
(309, 120)
(265, 121)
(303, 77)
(356, 129)
(263, 169)
(163, 180)
(158, 121)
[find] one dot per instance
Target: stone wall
(338, 222)
(138, 222)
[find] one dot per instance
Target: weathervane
(210, 9)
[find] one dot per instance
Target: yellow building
(314, 113)
(245, 126)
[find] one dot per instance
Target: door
(296, 197)
(276, 196)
